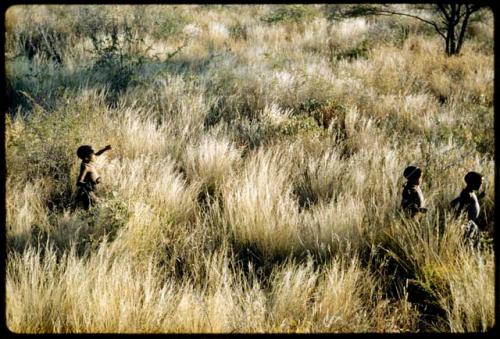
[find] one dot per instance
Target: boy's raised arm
(107, 148)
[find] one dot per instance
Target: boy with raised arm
(88, 177)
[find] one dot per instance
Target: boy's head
(473, 180)
(412, 174)
(85, 152)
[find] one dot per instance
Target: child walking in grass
(468, 202)
(413, 200)
(88, 177)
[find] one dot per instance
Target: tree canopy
(450, 21)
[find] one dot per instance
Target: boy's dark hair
(472, 178)
(412, 172)
(84, 151)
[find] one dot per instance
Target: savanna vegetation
(255, 179)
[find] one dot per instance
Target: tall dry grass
(256, 172)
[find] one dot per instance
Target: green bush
(290, 13)
(324, 112)
(45, 146)
(298, 125)
(107, 218)
(356, 52)
(118, 54)
(310, 105)
(253, 134)
(169, 24)
(238, 31)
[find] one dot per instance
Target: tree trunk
(450, 40)
(451, 29)
(462, 31)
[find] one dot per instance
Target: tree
(449, 20)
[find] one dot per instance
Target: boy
(413, 200)
(88, 177)
(468, 201)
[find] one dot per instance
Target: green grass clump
(290, 13)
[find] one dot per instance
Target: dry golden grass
(225, 206)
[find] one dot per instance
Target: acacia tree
(449, 20)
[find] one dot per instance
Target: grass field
(255, 178)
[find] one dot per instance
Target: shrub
(114, 57)
(290, 13)
(46, 149)
(356, 52)
(238, 31)
(169, 23)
